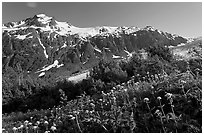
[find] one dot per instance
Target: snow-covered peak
(149, 28)
(126, 30)
(42, 15)
(44, 19)
(49, 24)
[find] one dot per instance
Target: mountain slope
(43, 46)
(189, 50)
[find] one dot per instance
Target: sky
(182, 18)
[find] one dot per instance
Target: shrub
(161, 51)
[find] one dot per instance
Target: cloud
(31, 4)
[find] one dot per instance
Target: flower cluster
(128, 107)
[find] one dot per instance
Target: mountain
(43, 46)
(189, 50)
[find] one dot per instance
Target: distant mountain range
(41, 45)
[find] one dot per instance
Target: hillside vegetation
(153, 94)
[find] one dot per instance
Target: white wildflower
(146, 99)
(26, 122)
(46, 122)
(92, 104)
(159, 98)
(35, 127)
(168, 95)
(53, 128)
(37, 122)
(21, 126)
(14, 128)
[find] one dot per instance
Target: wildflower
(92, 111)
(70, 115)
(125, 90)
(53, 128)
(168, 95)
(92, 105)
(45, 118)
(46, 122)
(146, 99)
(21, 126)
(72, 118)
(103, 93)
(183, 82)
(37, 122)
(4, 130)
(159, 98)
(14, 128)
(100, 100)
(30, 123)
(75, 112)
(158, 112)
(54, 124)
(35, 127)
(87, 111)
(47, 131)
(156, 76)
(26, 122)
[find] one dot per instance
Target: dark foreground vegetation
(159, 94)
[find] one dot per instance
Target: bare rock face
(42, 44)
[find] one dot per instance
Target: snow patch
(65, 45)
(98, 50)
(55, 64)
(21, 36)
(171, 46)
(115, 57)
(182, 44)
(128, 53)
(41, 74)
(43, 18)
(60, 65)
(73, 45)
(43, 48)
(190, 40)
(79, 77)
